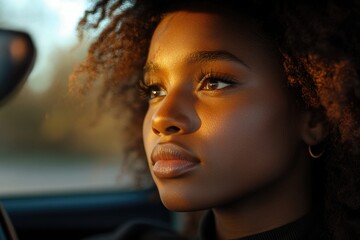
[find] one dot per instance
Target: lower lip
(173, 168)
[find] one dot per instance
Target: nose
(175, 114)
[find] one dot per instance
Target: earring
(315, 155)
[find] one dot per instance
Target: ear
(315, 127)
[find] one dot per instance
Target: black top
(301, 229)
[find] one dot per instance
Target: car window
(51, 140)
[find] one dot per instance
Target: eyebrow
(202, 57)
(208, 56)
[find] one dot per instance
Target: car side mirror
(17, 57)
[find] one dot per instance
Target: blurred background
(50, 140)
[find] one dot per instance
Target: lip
(171, 161)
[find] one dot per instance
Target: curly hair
(318, 45)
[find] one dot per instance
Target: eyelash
(224, 78)
(203, 78)
(146, 88)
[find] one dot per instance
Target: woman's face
(219, 127)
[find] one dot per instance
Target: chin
(176, 203)
(182, 202)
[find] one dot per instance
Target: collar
(300, 229)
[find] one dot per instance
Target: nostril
(166, 131)
(156, 131)
(172, 129)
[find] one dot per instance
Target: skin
(249, 137)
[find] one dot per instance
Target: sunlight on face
(219, 125)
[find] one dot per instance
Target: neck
(273, 206)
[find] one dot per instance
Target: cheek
(248, 142)
(247, 129)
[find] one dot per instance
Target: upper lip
(171, 151)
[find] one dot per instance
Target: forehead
(183, 29)
(181, 33)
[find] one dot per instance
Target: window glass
(51, 140)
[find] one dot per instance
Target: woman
(252, 109)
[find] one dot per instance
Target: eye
(214, 83)
(155, 91)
